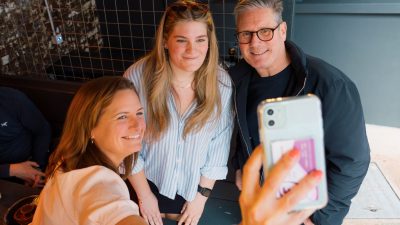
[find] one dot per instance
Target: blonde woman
(187, 101)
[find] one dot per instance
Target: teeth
(133, 137)
(258, 53)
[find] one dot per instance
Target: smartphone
(295, 122)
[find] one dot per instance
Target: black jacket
(346, 145)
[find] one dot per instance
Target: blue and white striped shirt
(174, 164)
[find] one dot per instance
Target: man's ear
(283, 30)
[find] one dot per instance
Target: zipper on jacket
(238, 122)
(304, 85)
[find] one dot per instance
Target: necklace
(188, 85)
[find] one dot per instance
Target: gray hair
(244, 5)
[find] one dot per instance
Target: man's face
(267, 57)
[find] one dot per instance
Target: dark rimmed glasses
(264, 34)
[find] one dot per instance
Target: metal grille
(84, 39)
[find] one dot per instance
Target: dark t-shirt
(262, 88)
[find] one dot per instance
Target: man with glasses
(274, 67)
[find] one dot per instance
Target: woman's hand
(148, 203)
(192, 211)
(149, 209)
(259, 205)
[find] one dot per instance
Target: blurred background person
(24, 139)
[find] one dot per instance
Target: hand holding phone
(258, 203)
(295, 122)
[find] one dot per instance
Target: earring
(92, 140)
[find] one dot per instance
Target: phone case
(295, 122)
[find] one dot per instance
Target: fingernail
(294, 154)
(317, 174)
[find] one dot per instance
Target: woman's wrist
(144, 195)
(201, 197)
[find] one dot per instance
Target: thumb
(34, 164)
(184, 208)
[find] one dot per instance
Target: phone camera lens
(270, 112)
(271, 123)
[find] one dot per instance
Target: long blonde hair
(157, 73)
(75, 150)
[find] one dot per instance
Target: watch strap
(206, 192)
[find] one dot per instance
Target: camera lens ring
(270, 112)
(271, 123)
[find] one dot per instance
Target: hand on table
(27, 171)
(192, 211)
(149, 209)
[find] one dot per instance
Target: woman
(103, 130)
(187, 101)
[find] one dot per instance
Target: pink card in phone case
(305, 165)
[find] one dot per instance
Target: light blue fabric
(175, 164)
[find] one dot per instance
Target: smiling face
(187, 46)
(267, 57)
(119, 131)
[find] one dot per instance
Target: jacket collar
(299, 64)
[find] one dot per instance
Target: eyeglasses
(264, 34)
(192, 6)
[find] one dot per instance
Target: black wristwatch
(206, 192)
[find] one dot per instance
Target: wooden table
(12, 192)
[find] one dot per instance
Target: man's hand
(238, 179)
(39, 181)
(149, 208)
(27, 171)
(192, 211)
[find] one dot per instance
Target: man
(273, 67)
(24, 139)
